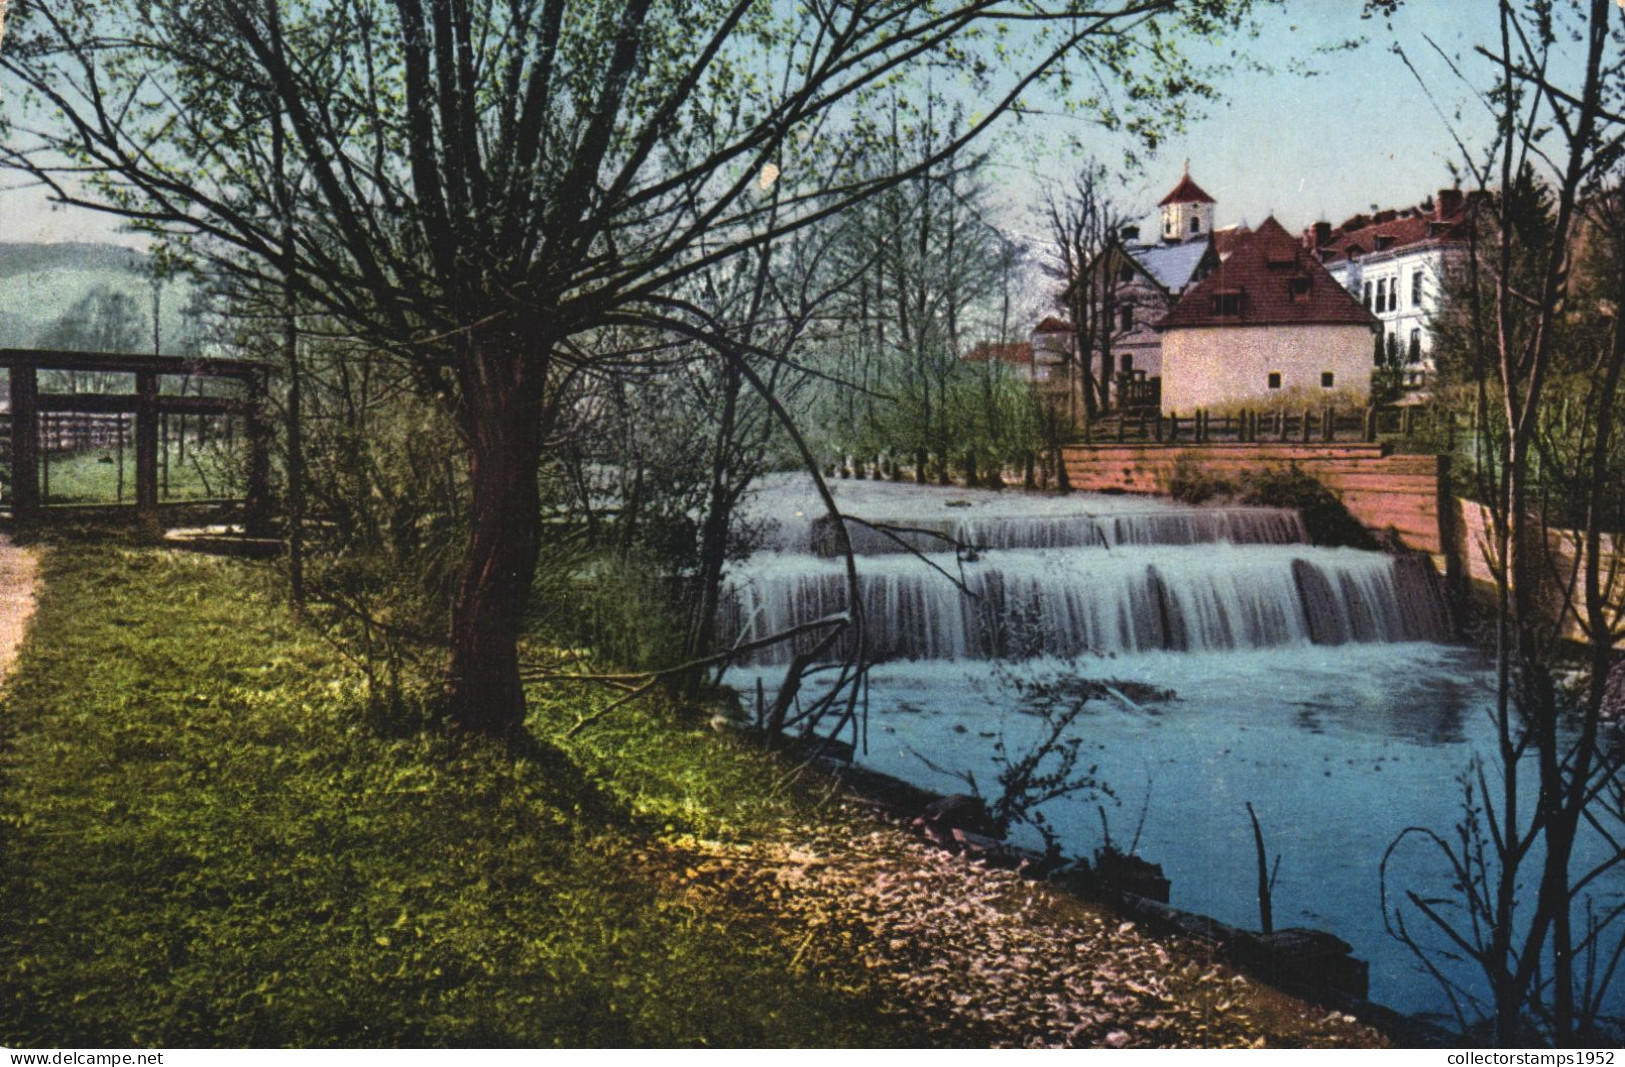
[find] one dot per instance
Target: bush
(1325, 517)
(1192, 483)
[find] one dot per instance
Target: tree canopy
(481, 187)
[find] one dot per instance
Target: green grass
(91, 476)
(203, 843)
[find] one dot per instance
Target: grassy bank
(203, 841)
(202, 844)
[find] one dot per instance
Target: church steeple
(1187, 211)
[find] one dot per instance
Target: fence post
(146, 444)
(1371, 423)
(25, 499)
(257, 502)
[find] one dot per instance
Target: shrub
(1325, 517)
(1192, 483)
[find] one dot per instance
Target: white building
(1267, 326)
(1147, 279)
(1396, 263)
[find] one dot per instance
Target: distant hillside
(72, 256)
(40, 285)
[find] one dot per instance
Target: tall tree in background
(1082, 221)
(1557, 97)
(478, 186)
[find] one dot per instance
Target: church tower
(1187, 212)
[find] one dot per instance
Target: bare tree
(1532, 963)
(487, 183)
(1082, 221)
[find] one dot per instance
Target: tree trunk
(714, 533)
(503, 422)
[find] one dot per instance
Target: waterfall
(1068, 602)
(1054, 578)
(1189, 526)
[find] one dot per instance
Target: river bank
(206, 843)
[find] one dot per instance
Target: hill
(43, 287)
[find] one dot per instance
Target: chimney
(1322, 235)
(1131, 234)
(1448, 204)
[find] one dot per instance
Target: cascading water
(1310, 684)
(1123, 581)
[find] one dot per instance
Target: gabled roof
(1186, 192)
(1051, 324)
(1255, 287)
(1224, 241)
(1170, 266)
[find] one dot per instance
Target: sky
(1358, 132)
(1354, 131)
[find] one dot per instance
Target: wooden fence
(43, 423)
(1310, 426)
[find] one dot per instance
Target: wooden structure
(147, 403)
(1137, 422)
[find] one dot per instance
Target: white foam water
(1064, 602)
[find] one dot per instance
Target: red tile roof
(1186, 192)
(1394, 229)
(1019, 353)
(1224, 241)
(1269, 279)
(1053, 325)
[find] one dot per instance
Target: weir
(1121, 581)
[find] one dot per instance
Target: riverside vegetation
(206, 840)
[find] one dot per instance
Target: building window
(1393, 294)
(1416, 344)
(1196, 224)
(1168, 226)
(1382, 295)
(1125, 318)
(1127, 359)
(1298, 290)
(1367, 300)
(1126, 274)
(1227, 303)
(1416, 288)
(1326, 379)
(1275, 379)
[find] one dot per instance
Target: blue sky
(1358, 132)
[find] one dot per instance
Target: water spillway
(1117, 579)
(1166, 526)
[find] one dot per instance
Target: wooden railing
(1309, 426)
(41, 423)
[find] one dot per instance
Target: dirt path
(19, 575)
(990, 959)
